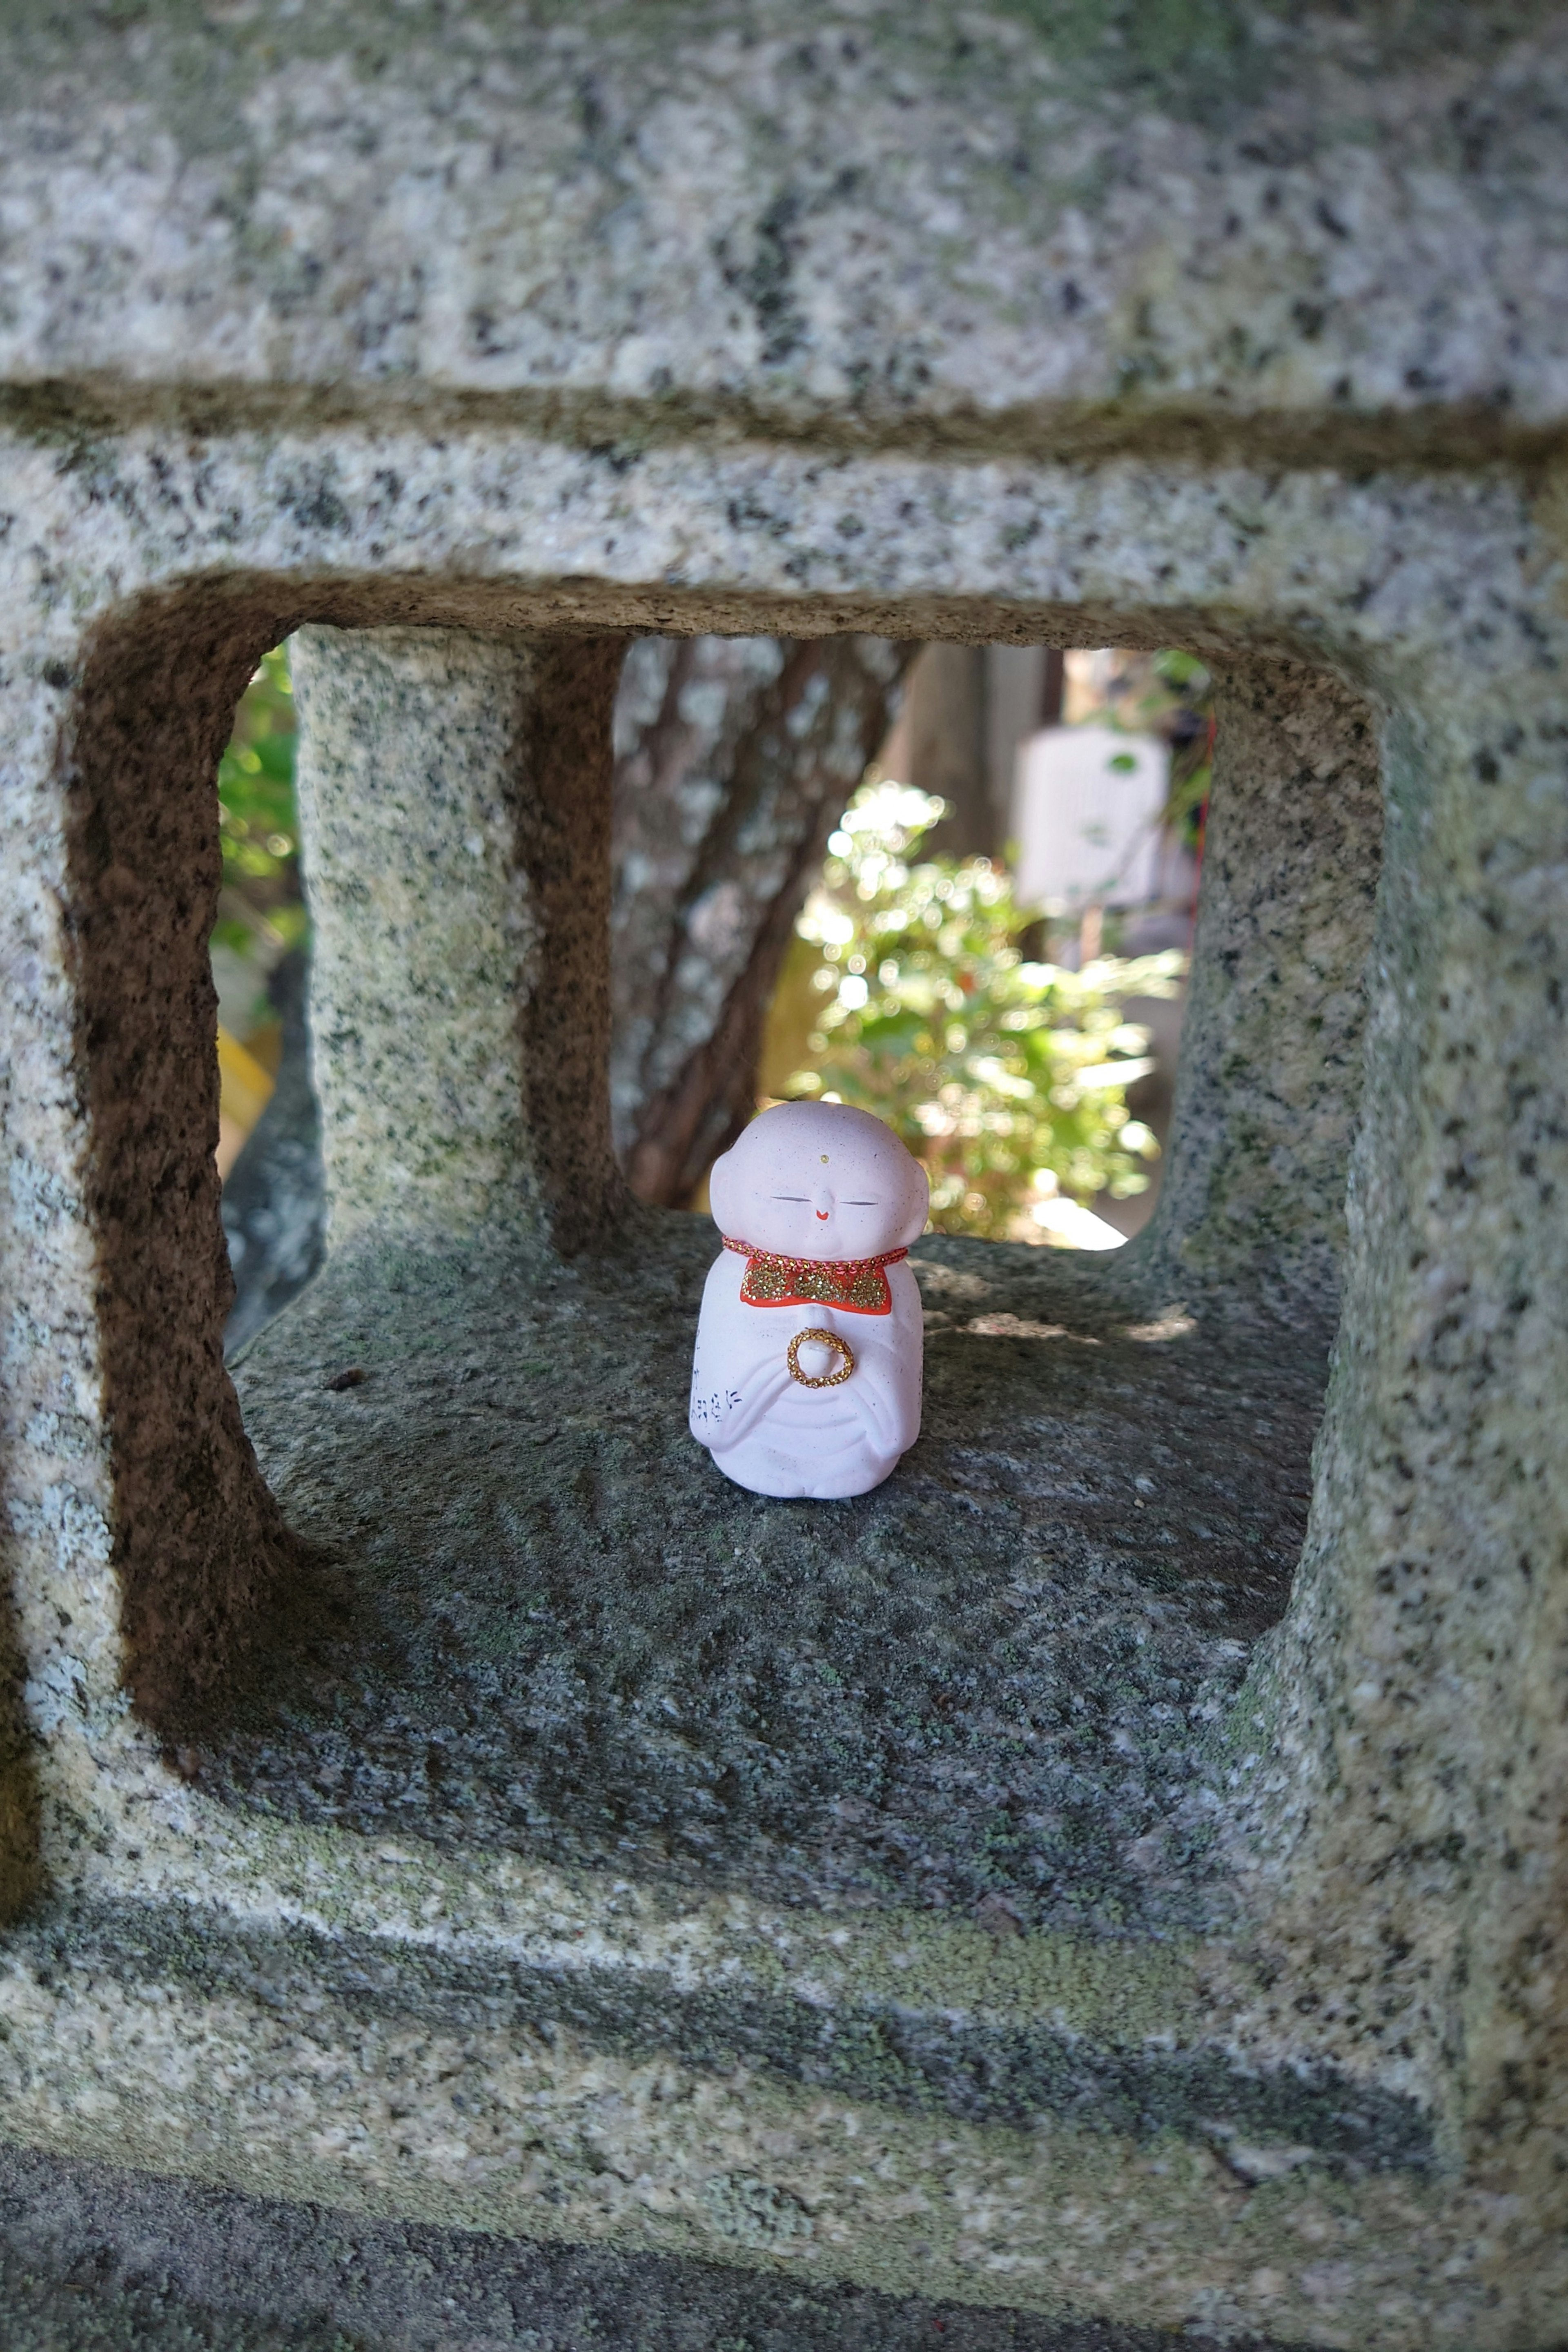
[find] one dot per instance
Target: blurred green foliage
(258, 822)
(1008, 1078)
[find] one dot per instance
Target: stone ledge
(134, 2038)
(852, 2032)
(535, 1618)
(1221, 210)
(93, 2257)
(1101, 2042)
(619, 431)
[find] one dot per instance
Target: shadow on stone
(92, 2258)
(274, 1213)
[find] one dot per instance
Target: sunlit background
(989, 952)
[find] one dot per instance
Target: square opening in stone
(526, 1613)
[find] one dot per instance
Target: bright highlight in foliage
(1008, 1078)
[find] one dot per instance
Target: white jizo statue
(806, 1379)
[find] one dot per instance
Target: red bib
(857, 1285)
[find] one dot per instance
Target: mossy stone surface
(534, 1615)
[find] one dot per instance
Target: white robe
(770, 1433)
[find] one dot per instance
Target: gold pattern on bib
(857, 1285)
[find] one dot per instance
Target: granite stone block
(1110, 1880)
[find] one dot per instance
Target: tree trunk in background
(734, 759)
(943, 741)
(966, 709)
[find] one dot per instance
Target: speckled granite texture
(433, 1800)
(987, 1683)
(93, 2259)
(847, 215)
(454, 793)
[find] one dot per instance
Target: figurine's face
(819, 1180)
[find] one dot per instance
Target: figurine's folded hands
(874, 1394)
(869, 1405)
(751, 1398)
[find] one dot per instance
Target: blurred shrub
(1006, 1077)
(258, 826)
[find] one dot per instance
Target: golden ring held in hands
(826, 1340)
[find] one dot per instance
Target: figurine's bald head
(819, 1180)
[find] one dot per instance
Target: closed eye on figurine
(859, 1204)
(790, 1196)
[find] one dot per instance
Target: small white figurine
(806, 1379)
